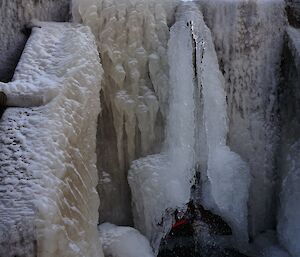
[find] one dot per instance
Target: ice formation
(163, 181)
(289, 211)
(123, 242)
(132, 39)
(196, 135)
(188, 89)
(288, 226)
(248, 37)
(48, 200)
(226, 172)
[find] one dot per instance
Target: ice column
(196, 135)
(132, 39)
(161, 183)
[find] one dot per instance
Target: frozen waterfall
(163, 182)
(181, 117)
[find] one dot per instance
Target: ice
(288, 227)
(161, 183)
(226, 172)
(289, 211)
(15, 17)
(123, 242)
(248, 37)
(49, 205)
(132, 39)
(174, 102)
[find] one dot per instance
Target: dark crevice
(7, 72)
(184, 239)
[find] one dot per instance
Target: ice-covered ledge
(48, 201)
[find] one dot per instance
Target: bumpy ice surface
(48, 201)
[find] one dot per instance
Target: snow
(123, 242)
(48, 200)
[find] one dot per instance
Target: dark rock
(293, 12)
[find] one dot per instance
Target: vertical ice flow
(162, 182)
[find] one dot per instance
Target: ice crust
(48, 201)
(123, 242)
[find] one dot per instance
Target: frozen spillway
(196, 137)
(48, 201)
(132, 40)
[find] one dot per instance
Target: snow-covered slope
(48, 201)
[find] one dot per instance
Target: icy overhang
(48, 202)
